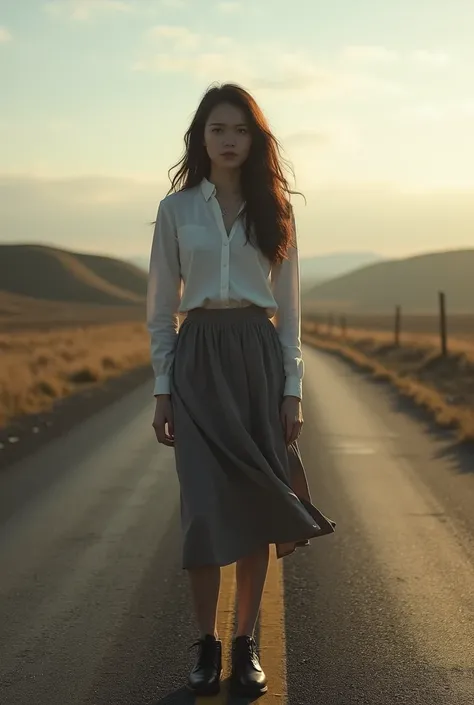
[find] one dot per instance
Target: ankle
(214, 634)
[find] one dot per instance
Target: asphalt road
(94, 607)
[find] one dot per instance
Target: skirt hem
(293, 546)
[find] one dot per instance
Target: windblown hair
(267, 212)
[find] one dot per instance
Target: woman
(228, 385)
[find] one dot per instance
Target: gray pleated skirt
(241, 486)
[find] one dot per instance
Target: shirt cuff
(293, 387)
(162, 385)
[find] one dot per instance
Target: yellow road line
(225, 627)
(272, 633)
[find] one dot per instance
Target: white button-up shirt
(195, 263)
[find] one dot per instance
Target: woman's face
(227, 137)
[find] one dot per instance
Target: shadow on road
(184, 697)
(179, 697)
(460, 453)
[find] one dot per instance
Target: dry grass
(414, 327)
(40, 367)
(21, 313)
(430, 342)
(442, 385)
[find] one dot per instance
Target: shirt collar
(207, 189)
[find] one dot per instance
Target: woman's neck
(226, 181)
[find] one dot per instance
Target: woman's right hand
(163, 421)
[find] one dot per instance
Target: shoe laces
(246, 648)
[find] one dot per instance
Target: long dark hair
(267, 211)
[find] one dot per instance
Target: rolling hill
(55, 275)
(412, 283)
(141, 262)
(315, 270)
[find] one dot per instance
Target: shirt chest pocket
(197, 238)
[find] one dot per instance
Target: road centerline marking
(272, 633)
(225, 628)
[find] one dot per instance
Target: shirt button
(225, 264)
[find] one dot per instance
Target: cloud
(112, 215)
(333, 136)
(85, 10)
(375, 54)
(307, 138)
(437, 112)
(389, 219)
(5, 35)
(58, 124)
(263, 67)
(94, 213)
(202, 65)
(298, 75)
(369, 53)
(431, 59)
(175, 4)
(180, 38)
(228, 7)
(289, 71)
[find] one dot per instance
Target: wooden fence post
(343, 323)
(398, 317)
(330, 323)
(442, 324)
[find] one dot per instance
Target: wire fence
(397, 324)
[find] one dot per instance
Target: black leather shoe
(247, 676)
(205, 677)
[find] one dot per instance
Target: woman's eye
(243, 130)
(216, 129)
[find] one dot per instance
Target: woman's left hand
(291, 418)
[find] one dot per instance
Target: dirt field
(18, 313)
(41, 366)
(54, 360)
(443, 385)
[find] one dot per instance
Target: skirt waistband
(227, 315)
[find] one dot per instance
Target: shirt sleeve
(286, 291)
(163, 297)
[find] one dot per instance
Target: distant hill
(141, 262)
(56, 275)
(313, 269)
(323, 267)
(412, 283)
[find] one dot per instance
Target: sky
(372, 102)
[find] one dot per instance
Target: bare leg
(251, 572)
(205, 585)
